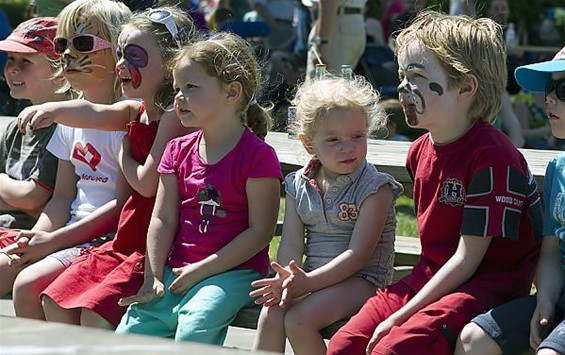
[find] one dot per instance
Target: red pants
(432, 330)
(8, 236)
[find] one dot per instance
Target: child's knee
(49, 306)
(200, 332)
(471, 333)
(297, 323)
(473, 339)
(271, 315)
(26, 284)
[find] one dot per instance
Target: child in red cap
(27, 171)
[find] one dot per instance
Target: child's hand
(270, 291)
(188, 276)
(38, 116)
(539, 325)
(151, 288)
(295, 286)
(382, 329)
(31, 246)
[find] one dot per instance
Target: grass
(405, 222)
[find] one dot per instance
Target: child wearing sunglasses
(217, 200)
(88, 292)
(537, 321)
(89, 188)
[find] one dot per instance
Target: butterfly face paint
(137, 58)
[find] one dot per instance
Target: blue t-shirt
(554, 194)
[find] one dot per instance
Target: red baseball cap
(32, 36)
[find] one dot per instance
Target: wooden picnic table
(389, 157)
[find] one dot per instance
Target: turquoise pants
(201, 315)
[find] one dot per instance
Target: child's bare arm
(98, 223)
(457, 270)
(160, 236)
(550, 284)
(291, 246)
(366, 234)
(57, 211)
(24, 195)
(41, 243)
(263, 199)
(79, 113)
(4, 206)
(144, 177)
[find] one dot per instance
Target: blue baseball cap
(533, 77)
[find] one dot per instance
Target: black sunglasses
(85, 43)
(556, 85)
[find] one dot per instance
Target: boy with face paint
(476, 201)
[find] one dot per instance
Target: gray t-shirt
(24, 157)
(330, 219)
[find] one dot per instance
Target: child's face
(340, 141)
(423, 90)
(199, 97)
(140, 67)
(556, 110)
(30, 76)
(86, 71)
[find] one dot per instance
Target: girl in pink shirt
(217, 200)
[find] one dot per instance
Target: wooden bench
(389, 157)
(407, 251)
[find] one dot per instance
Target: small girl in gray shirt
(339, 214)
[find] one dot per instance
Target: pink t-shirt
(213, 200)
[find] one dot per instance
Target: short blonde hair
(464, 46)
(102, 18)
(316, 98)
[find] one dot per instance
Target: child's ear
(469, 87)
(234, 91)
(306, 143)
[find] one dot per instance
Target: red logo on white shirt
(88, 155)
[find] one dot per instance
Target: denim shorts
(509, 326)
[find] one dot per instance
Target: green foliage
(406, 218)
(14, 9)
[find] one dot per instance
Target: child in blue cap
(538, 320)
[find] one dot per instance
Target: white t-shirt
(94, 154)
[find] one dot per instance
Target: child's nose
(11, 68)
(347, 146)
(121, 63)
(179, 96)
